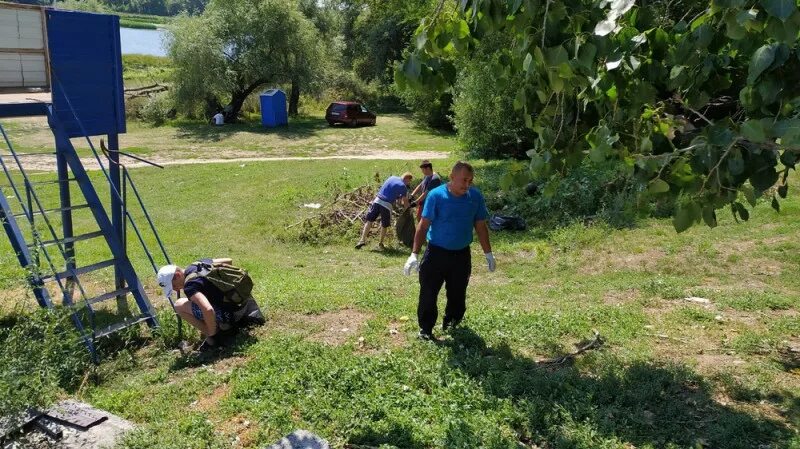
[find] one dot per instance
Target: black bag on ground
(405, 228)
(506, 223)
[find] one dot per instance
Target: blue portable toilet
(273, 108)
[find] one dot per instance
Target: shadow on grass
(396, 436)
(640, 403)
(228, 346)
(299, 127)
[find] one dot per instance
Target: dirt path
(48, 163)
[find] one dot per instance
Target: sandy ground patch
(595, 263)
(335, 328)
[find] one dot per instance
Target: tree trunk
(231, 111)
(294, 98)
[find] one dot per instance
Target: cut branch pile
(336, 217)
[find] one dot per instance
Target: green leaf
(556, 56)
(646, 146)
(742, 211)
(788, 158)
(422, 39)
(597, 155)
(565, 71)
(412, 67)
(586, 55)
(782, 9)
(775, 204)
(786, 127)
(658, 186)
(683, 218)
(542, 96)
(755, 131)
(736, 163)
(733, 29)
(520, 99)
(749, 98)
(526, 65)
(463, 29)
(556, 82)
(528, 121)
(513, 6)
(710, 217)
(612, 93)
(676, 72)
(764, 178)
(783, 190)
(762, 58)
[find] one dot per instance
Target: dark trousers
(442, 266)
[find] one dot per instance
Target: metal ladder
(34, 253)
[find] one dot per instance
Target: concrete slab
(101, 436)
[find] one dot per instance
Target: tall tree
(701, 103)
(377, 31)
(234, 48)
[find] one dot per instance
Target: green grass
(305, 136)
(141, 70)
(148, 21)
(670, 374)
(128, 23)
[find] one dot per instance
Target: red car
(349, 113)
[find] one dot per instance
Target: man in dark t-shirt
(430, 181)
(203, 307)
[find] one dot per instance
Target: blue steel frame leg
(66, 220)
(117, 216)
(23, 255)
(96, 206)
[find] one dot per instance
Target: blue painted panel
(86, 72)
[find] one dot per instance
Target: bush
(158, 109)
(428, 107)
(40, 354)
(590, 192)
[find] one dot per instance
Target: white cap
(165, 275)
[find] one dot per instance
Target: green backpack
(234, 282)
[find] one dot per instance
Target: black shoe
(250, 321)
(427, 336)
(450, 325)
(359, 245)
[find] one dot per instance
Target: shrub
(158, 109)
(428, 107)
(590, 192)
(40, 354)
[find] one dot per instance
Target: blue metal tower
(83, 66)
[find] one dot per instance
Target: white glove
(490, 261)
(411, 264)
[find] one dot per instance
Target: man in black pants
(450, 213)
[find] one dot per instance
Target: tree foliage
(703, 107)
(234, 48)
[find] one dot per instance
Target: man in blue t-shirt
(393, 189)
(450, 214)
